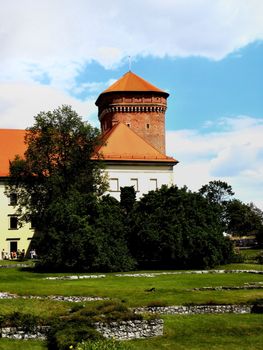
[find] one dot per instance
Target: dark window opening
(13, 223)
(148, 126)
(13, 199)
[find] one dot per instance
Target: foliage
(110, 251)
(244, 219)
(64, 334)
(109, 344)
(58, 161)
(26, 322)
(177, 228)
(128, 198)
(78, 326)
(217, 192)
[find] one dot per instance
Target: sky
(207, 54)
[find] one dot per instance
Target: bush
(26, 322)
(78, 326)
(102, 345)
(64, 334)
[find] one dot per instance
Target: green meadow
(226, 331)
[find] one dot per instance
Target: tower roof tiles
(131, 82)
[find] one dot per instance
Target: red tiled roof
(11, 144)
(132, 82)
(123, 144)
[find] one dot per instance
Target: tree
(244, 219)
(128, 198)
(217, 192)
(177, 228)
(57, 184)
(110, 250)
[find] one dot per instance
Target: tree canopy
(177, 228)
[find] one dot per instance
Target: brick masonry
(144, 113)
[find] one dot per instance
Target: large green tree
(177, 228)
(57, 183)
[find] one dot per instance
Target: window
(13, 199)
(13, 224)
(129, 125)
(148, 126)
(114, 185)
(134, 183)
(153, 185)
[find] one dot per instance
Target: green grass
(181, 332)
(169, 289)
(250, 255)
(198, 332)
(195, 332)
(7, 344)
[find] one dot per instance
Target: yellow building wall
(22, 236)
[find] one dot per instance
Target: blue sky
(207, 54)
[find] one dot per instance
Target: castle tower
(140, 105)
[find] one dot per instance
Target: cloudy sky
(208, 54)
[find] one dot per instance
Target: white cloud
(234, 154)
(20, 102)
(59, 37)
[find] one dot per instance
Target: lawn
(181, 332)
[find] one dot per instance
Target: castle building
(132, 119)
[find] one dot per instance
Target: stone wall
(20, 333)
(136, 329)
(123, 330)
(196, 309)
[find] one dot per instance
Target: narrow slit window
(153, 185)
(135, 184)
(114, 185)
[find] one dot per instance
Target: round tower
(138, 104)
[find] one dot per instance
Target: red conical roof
(131, 82)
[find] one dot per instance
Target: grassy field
(181, 332)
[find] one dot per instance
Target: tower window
(129, 125)
(148, 126)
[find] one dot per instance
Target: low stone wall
(21, 334)
(123, 330)
(187, 272)
(195, 309)
(73, 299)
(136, 329)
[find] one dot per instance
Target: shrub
(103, 345)
(68, 333)
(26, 322)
